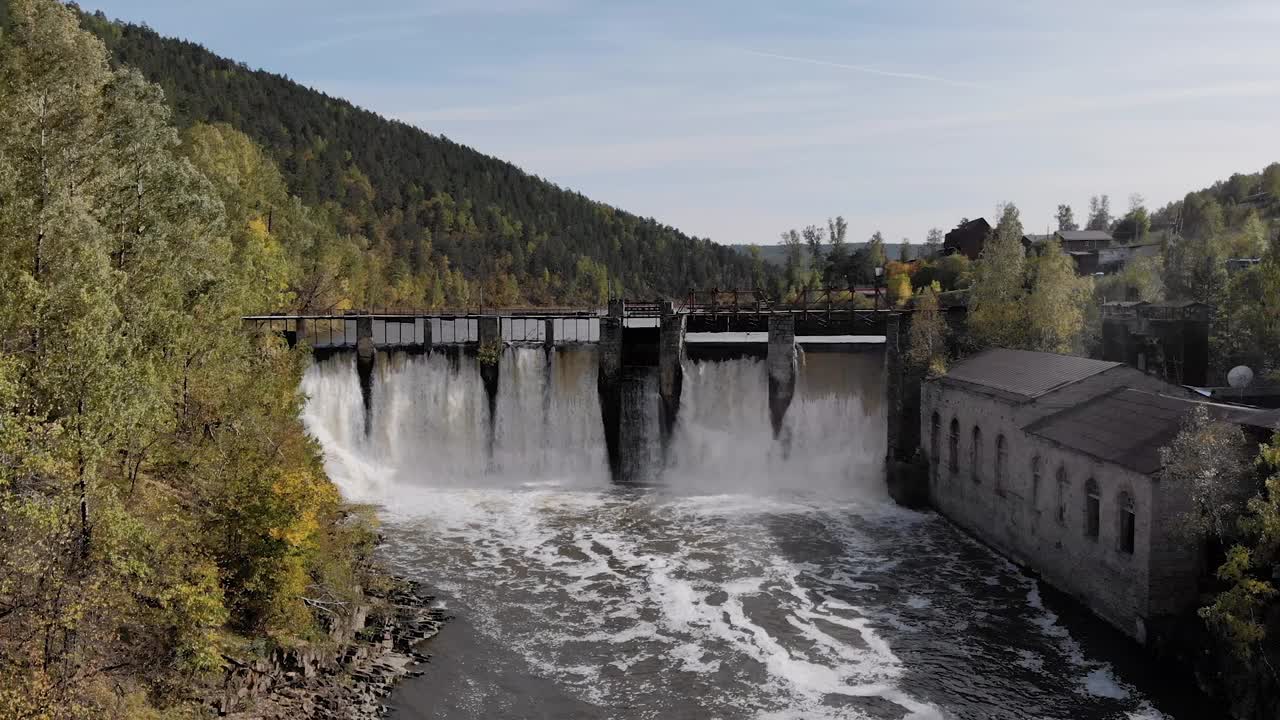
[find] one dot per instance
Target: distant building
(1170, 340)
(1115, 258)
(1086, 261)
(1084, 240)
(1083, 247)
(1235, 265)
(1053, 461)
(1092, 251)
(967, 239)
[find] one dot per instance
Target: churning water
(750, 578)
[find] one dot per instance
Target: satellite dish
(1240, 377)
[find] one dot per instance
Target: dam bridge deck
(815, 313)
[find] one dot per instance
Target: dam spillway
(431, 412)
(737, 580)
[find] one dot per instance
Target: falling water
(747, 578)
(429, 423)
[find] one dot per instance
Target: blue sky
(738, 120)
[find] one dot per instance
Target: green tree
(158, 487)
(953, 272)
(1271, 180)
(933, 243)
(898, 288)
(759, 281)
(927, 348)
(1140, 279)
(794, 269)
(1209, 462)
(996, 314)
(1056, 306)
(1250, 241)
(1238, 612)
(1251, 316)
(1099, 213)
(813, 237)
(1136, 224)
(1196, 268)
(1201, 217)
(875, 250)
(838, 258)
(1066, 219)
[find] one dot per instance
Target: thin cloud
(382, 25)
(328, 42)
(868, 70)
(458, 8)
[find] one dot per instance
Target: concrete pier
(609, 383)
(670, 369)
(490, 330)
(549, 334)
(490, 355)
(906, 475)
(782, 366)
(301, 331)
(366, 357)
(426, 336)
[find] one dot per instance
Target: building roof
(1078, 235)
(1128, 427)
(1178, 304)
(1024, 375)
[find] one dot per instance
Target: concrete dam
(642, 369)
(749, 564)
(629, 399)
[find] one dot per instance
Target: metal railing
(409, 331)
(806, 301)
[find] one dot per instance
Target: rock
(344, 681)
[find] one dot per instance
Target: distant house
(967, 239)
(1086, 261)
(1097, 251)
(1235, 265)
(1054, 461)
(1084, 240)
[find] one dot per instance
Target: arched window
(1035, 483)
(975, 454)
(1001, 459)
(1128, 522)
(935, 429)
(1061, 514)
(1092, 509)
(953, 452)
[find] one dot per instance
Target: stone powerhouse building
(1054, 461)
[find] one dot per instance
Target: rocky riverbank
(375, 645)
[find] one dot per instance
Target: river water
(746, 578)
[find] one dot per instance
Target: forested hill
(424, 205)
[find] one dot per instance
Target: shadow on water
(976, 634)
